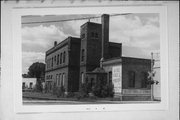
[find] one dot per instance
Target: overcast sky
(138, 33)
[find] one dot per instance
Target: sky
(138, 33)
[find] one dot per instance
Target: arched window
(52, 62)
(131, 78)
(64, 57)
(58, 59)
(61, 58)
(82, 77)
(63, 79)
(144, 77)
(60, 79)
(55, 59)
(57, 82)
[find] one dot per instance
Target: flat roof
(60, 45)
(90, 23)
(117, 60)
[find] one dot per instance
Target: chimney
(105, 36)
(55, 43)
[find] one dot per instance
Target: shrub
(111, 90)
(46, 88)
(54, 89)
(83, 91)
(60, 91)
(78, 95)
(101, 90)
(70, 94)
(38, 87)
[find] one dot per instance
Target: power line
(65, 20)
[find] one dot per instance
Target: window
(96, 35)
(92, 82)
(82, 55)
(92, 34)
(23, 85)
(131, 76)
(82, 77)
(61, 58)
(144, 77)
(52, 62)
(58, 59)
(57, 82)
(50, 85)
(59, 79)
(48, 63)
(64, 57)
(30, 85)
(55, 59)
(63, 79)
(110, 77)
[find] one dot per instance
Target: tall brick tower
(91, 43)
(105, 36)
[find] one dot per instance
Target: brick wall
(115, 49)
(70, 68)
(136, 65)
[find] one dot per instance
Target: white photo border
(17, 59)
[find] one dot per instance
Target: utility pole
(152, 97)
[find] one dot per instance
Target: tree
(37, 70)
(103, 89)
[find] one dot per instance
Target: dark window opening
(96, 35)
(23, 85)
(82, 56)
(92, 34)
(52, 62)
(110, 77)
(64, 57)
(57, 80)
(61, 58)
(92, 82)
(131, 76)
(54, 58)
(30, 85)
(58, 60)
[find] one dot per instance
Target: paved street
(64, 102)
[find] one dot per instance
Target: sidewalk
(44, 96)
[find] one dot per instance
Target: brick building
(76, 60)
(62, 64)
